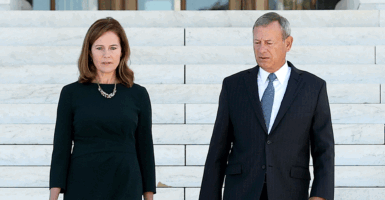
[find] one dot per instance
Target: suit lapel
(293, 87)
(252, 87)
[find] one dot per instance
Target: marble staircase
(182, 58)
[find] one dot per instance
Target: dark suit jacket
(241, 149)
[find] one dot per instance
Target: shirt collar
(281, 73)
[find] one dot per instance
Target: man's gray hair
(270, 17)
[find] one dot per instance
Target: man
(269, 119)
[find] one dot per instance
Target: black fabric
(113, 156)
(264, 193)
(240, 141)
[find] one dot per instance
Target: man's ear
(288, 43)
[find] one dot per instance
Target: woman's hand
(148, 195)
(54, 193)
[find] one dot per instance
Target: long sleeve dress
(112, 156)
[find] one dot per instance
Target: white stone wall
(182, 58)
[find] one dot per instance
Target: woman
(109, 119)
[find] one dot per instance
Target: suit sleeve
(322, 149)
(62, 142)
(220, 144)
(144, 144)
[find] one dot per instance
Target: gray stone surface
(185, 134)
(182, 134)
(42, 193)
(346, 155)
(372, 1)
(201, 113)
(383, 93)
(26, 133)
(340, 193)
(372, 6)
(345, 18)
(59, 36)
(341, 113)
(191, 176)
(65, 74)
(302, 36)
(332, 74)
(25, 193)
(179, 93)
(13, 55)
(380, 54)
(40, 155)
(359, 133)
(46, 113)
(358, 113)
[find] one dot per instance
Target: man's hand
(316, 198)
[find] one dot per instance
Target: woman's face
(106, 52)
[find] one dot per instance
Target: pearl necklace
(108, 96)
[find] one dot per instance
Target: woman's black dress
(113, 155)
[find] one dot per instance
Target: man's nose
(262, 48)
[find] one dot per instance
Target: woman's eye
(99, 48)
(113, 48)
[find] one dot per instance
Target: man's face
(269, 47)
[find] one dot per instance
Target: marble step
(383, 93)
(189, 193)
(63, 36)
(228, 36)
(59, 55)
(180, 93)
(193, 74)
(302, 36)
(46, 113)
(380, 54)
(185, 134)
(341, 113)
(339, 193)
(371, 6)
(346, 155)
(348, 74)
(189, 113)
(340, 18)
(64, 74)
(43, 193)
(190, 176)
(40, 155)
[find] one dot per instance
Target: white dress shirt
(280, 85)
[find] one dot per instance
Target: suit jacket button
(269, 142)
(263, 166)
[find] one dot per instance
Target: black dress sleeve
(62, 142)
(144, 143)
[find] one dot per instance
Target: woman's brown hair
(87, 69)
